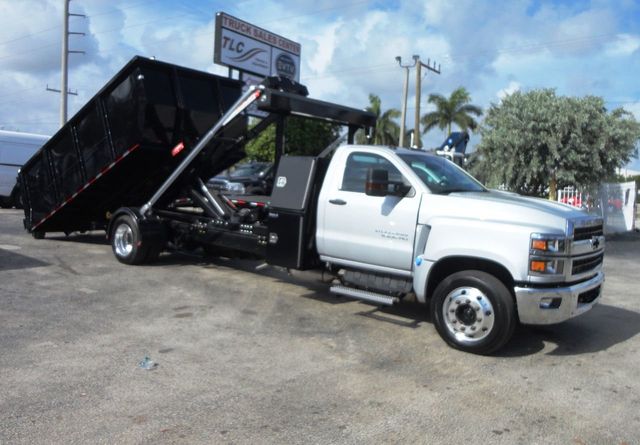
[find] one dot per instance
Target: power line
(107, 12)
(6, 42)
(317, 11)
(40, 48)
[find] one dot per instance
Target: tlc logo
(232, 45)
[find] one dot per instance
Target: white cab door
(373, 230)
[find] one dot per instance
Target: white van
(15, 149)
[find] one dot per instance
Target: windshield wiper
(458, 190)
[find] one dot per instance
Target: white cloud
(623, 45)
(633, 107)
(348, 48)
(326, 42)
(508, 90)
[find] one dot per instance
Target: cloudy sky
(348, 48)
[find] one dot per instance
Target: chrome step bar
(365, 295)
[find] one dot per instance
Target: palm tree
(453, 110)
(386, 131)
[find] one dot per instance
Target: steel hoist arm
(252, 94)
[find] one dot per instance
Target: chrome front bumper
(554, 305)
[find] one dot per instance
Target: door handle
(339, 202)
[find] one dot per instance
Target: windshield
(441, 176)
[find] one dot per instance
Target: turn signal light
(554, 244)
(547, 267)
(538, 266)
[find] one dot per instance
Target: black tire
(473, 311)
(126, 241)
(5, 203)
(38, 234)
(153, 252)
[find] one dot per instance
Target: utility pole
(405, 92)
(419, 65)
(64, 65)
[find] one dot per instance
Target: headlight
(235, 187)
(548, 244)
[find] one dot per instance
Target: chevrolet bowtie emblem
(595, 242)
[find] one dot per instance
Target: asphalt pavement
(250, 357)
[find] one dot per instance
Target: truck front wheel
(473, 311)
(126, 241)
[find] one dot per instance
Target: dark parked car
(252, 178)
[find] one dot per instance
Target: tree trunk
(553, 187)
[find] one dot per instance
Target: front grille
(589, 296)
(586, 264)
(583, 233)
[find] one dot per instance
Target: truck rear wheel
(126, 241)
(473, 311)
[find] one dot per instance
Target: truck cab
(482, 259)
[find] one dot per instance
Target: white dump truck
(383, 223)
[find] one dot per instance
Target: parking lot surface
(246, 356)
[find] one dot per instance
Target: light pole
(405, 92)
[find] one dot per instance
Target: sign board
(248, 48)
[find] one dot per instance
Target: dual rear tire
(129, 245)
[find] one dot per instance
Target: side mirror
(377, 182)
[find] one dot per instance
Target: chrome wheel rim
(123, 240)
(468, 315)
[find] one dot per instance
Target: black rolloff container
(292, 212)
(120, 147)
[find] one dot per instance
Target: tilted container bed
(124, 143)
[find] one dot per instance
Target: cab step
(372, 297)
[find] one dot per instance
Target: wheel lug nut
(485, 329)
(462, 328)
(463, 292)
(473, 328)
(452, 311)
(487, 313)
(479, 320)
(457, 301)
(479, 298)
(467, 301)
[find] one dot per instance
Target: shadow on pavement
(598, 330)
(601, 328)
(84, 238)
(10, 260)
